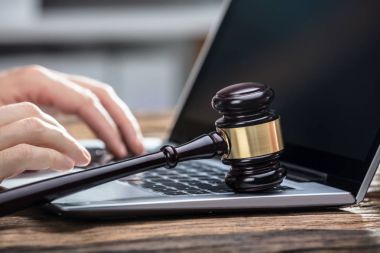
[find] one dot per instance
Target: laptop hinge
(304, 174)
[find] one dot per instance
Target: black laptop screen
(322, 58)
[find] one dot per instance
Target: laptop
(321, 59)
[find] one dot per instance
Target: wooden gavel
(248, 137)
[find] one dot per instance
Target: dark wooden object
(21, 197)
(242, 105)
(350, 229)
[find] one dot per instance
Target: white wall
(145, 52)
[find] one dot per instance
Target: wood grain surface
(349, 229)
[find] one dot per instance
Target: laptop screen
(322, 58)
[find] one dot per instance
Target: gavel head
(253, 136)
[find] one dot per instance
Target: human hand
(32, 140)
(95, 102)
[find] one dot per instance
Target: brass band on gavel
(253, 141)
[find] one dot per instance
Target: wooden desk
(355, 229)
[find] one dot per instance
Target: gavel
(247, 137)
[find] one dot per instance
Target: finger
(19, 158)
(118, 110)
(72, 98)
(14, 112)
(36, 132)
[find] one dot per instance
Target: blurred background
(143, 48)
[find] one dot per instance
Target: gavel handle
(40, 192)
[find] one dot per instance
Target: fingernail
(139, 147)
(85, 159)
(122, 150)
(86, 153)
(82, 163)
(140, 137)
(139, 144)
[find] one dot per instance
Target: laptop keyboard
(187, 178)
(99, 157)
